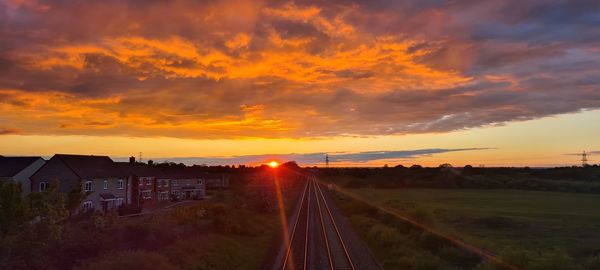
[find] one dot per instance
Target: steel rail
(307, 227)
(337, 231)
(289, 248)
(324, 231)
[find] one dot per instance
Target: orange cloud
(285, 69)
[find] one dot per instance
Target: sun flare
(274, 164)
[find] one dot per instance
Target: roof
(141, 170)
(190, 188)
(214, 176)
(108, 196)
(10, 166)
(183, 173)
(91, 166)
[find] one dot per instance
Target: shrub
(556, 259)
(127, 260)
(129, 209)
(592, 263)
(423, 216)
(430, 241)
(383, 234)
(516, 256)
(459, 256)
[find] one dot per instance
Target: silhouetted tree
(49, 211)
(12, 210)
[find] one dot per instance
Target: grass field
(501, 220)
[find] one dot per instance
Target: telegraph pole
(327, 160)
(584, 160)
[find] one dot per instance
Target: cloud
(309, 159)
(8, 131)
(293, 69)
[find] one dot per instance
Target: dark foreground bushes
(581, 180)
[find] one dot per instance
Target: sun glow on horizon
(273, 164)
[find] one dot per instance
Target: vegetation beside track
(530, 229)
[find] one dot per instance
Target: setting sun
(273, 164)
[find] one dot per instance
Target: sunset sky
(497, 83)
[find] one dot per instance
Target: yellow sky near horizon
(540, 142)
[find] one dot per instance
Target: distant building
(216, 180)
(148, 183)
(19, 169)
(106, 183)
(186, 183)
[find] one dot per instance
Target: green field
(503, 220)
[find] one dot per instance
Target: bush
(423, 216)
(431, 242)
(383, 234)
(459, 256)
(129, 209)
(592, 263)
(516, 256)
(556, 259)
(127, 260)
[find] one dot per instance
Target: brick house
(149, 184)
(19, 169)
(106, 183)
(186, 183)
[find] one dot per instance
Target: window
(87, 186)
(105, 184)
(147, 194)
(43, 186)
(166, 183)
(140, 182)
(199, 182)
(175, 183)
(120, 184)
(87, 206)
(119, 202)
(148, 182)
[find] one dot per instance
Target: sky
(495, 83)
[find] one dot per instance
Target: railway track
(316, 241)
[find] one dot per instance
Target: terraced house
(106, 184)
(186, 183)
(19, 169)
(149, 184)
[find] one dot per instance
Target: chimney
(131, 160)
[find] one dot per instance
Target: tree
(12, 209)
(48, 209)
(74, 199)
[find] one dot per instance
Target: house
(19, 169)
(148, 183)
(105, 183)
(186, 183)
(215, 180)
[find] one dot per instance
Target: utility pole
(327, 160)
(141, 157)
(584, 160)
